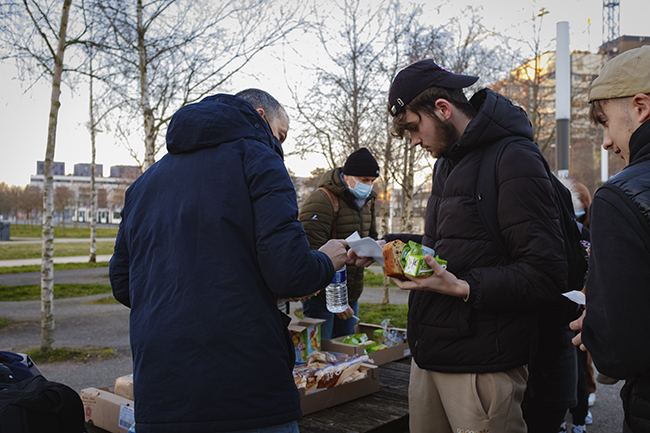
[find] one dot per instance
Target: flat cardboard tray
(319, 399)
(380, 357)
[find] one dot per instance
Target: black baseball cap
(416, 78)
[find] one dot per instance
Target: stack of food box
(111, 411)
(326, 379)
(382, 344)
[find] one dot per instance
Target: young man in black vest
(616, 327)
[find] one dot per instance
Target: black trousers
(580, 411)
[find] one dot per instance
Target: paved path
(78, 324)
(72, 259)
(71, 276)
(15, 241)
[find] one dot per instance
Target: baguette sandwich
(392, 253)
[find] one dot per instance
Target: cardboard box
(108, 411)
(319, 399)
(306, 336)
(380, 357)
(124, 387)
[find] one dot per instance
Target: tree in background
(530, 83)
(6, 202)
(170, 53)
(63, 198)
(394, 58)
(34, 34)
(463, 45)
(31, 202)
(339, 111)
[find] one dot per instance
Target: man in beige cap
(616, 328)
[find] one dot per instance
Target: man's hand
(442, 281)
(354, 259)
(576, 325)
(335, 250)
(346, 314)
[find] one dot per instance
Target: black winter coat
(616, 328)
(491, 331)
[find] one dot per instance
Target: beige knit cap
(625, 75)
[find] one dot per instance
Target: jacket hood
(215, 120)
(497, 117)
(332, 181)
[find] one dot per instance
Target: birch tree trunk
(93, 187)
(47, 265)
(385, 205)
(149, 135)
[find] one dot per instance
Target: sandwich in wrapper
(402, 259)
(325, 370)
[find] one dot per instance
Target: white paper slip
(576, 296)
(366, 247)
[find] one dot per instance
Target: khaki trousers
(466, 402)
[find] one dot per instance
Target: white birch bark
(93, 187)
(149, 134)
(47, 265)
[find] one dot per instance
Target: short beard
(448, 133)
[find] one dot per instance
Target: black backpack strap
(487, 192)
(335, 205)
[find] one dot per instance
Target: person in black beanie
(348, 189)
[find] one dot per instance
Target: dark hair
(261, 99)
(425, 103)
(596, 108)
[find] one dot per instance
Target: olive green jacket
(317, 215)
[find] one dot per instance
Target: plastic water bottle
(336, 292)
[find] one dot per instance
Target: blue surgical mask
(360, 190)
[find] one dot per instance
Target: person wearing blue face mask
(350, 189)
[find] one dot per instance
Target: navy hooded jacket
(209, 239)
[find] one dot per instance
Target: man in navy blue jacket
(209, 240)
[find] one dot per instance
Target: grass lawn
(61, 291)
(371, 279)
(65, 354)
(376, 313)
(33, 251)
(57, 267)
(82, 231)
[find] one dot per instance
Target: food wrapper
(413, 260)
(355, 339)
(416, 266)
(327, 371)
(377, 348)
(392, 337)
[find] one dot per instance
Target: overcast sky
(24, 114)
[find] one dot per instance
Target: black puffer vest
(634, 183)
(491, 331)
